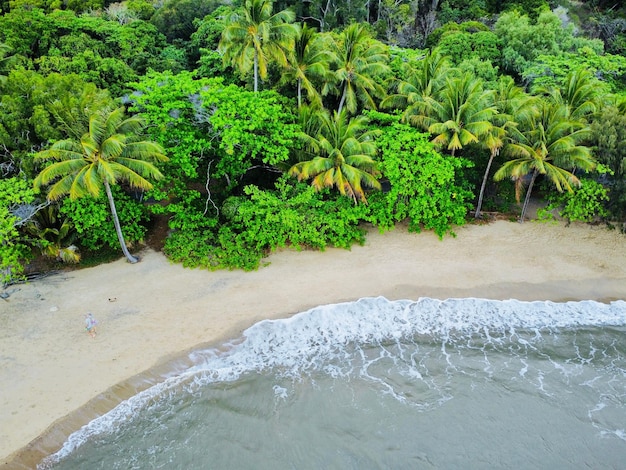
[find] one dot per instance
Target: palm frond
(112, 147)
(145, 150)
(58, 169)
(60, 188)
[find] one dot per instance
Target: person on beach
(90, 324)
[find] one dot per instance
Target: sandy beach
(54, 377)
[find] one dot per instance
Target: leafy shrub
(93, 221)
(295, 216)
(423, 184)
(14, 193)
(585, 204)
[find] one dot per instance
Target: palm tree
(53, 234)
(548, 147)
(109, 152)
(460, 114)
(360, 60)
(254, 36)
(514, 106)
(308, 61)
(344, 151)
(423, 81)
(579, 92)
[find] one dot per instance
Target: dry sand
(151, 313)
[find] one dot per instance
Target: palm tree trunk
(482, 187)
(299, 92)
(116, 222)
(343, 98)
(256, 71)
(527, 199)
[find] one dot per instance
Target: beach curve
(151, 313)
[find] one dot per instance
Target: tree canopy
(271, 116)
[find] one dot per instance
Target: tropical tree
(550, 147)
(422, 82)
(460, 114)
(309, 60)
(110, 152)
(255, 36)
(580, 93)
(514, 107)
(360, 60)
(344, 149)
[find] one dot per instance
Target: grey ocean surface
(376, 384)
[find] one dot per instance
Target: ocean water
(376, 384)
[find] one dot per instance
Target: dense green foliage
(296, 216)
(106, 53)
(422, 183)
(92, 220)
(585, 204)
(109, 153)
(247, 98)
(14, 193)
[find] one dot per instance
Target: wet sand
(54, 377)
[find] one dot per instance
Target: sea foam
(306, 341)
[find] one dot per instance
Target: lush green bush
(14, 192)
(295, 216)
(93, 221)
(37, 109)
(524, 41)
(532, 8)
(584, 204)
(461, 10)
(100, 51)
(551, 70)
(425, 186)
(460, 46)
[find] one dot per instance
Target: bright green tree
(360, 61)
(423, 81)
(580, 93)
(5, 62)
(308, 61)
(549, 146)
(344, 153)
(514, 106)
(255, 36)
(111, 151)
(460, 114)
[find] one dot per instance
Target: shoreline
(54, 373)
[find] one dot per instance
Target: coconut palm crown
(255, 36)
(344, 151)
(108, 153)
(549, 146)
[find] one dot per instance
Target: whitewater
(457, 383)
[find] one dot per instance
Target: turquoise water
(461, 383)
